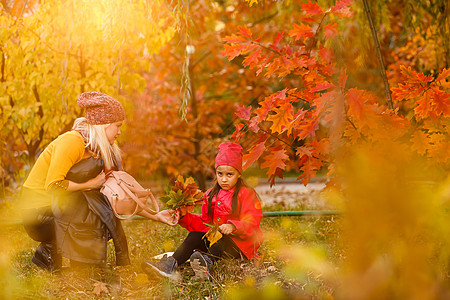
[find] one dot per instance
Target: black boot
(47, 258)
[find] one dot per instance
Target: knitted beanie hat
(230, 154)
(101, 108)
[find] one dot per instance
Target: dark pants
(223, 248)
(40, 225)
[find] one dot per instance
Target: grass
(273, 275)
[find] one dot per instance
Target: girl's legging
(223, 248)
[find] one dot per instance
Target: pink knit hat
(101, 108)
(230, 154)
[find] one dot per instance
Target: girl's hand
(227, 228)
(169, 217)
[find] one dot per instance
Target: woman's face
(113, 131)
(227, 176)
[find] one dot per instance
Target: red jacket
(247, 236)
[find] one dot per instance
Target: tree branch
(380, 57)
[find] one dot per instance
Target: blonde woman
(63, 206)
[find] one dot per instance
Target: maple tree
(306, 122)
(162, 142)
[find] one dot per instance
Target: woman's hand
(98, 181)
(227, 228)
(168, 216)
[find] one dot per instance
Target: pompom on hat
(101, 108)
(230, 154)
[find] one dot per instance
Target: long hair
(97, 142)
(234, 204)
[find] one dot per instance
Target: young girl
(235, 208)
(61, 200)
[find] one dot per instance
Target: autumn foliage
(183, 195)
(307, 122)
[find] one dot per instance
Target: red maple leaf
(234, 39)
(330, 30)
(301, 31)
(232, 51)
(309, 170)
(253, 59)
(277, 38)
(355, 101)
(308, 128)
(304, 150)
(443, 75)
(243, 113)
(244, 31)
(253, 154)
(341, 4)
(311, 9)
(441, 103)
(424, 106)
(275, 162)
(238, 133)
(322, 86)
(325, 54)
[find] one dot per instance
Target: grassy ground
(280, 272)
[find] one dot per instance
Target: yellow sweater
(52, 166)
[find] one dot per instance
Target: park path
(292, 194)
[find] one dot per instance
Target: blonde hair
(97, 142)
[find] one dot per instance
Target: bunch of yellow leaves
(183, 195)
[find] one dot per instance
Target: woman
(64, 209)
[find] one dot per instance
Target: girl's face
(113, 131)
(227, 176)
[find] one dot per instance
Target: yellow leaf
(213, 235)
(251, 2)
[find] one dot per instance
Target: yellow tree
(52, 51)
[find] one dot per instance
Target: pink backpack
(127, 196)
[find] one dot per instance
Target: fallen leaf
(99, 287)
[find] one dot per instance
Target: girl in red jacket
(229, 204)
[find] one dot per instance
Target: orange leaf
(355, 101)
(232, 51)
(320, 86)
(253, 154)
(441, 103)
(303, 150)
(341, 4)
(244, 31)
(253, 59)
(325, 54)
(234, 39)
(443, 75)
(275, 160)
(277, 38)
(309, 170)
(311, 8)
(301, 31)
(424, 106)
(282, 118)
(308, 128)
(330, 30)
